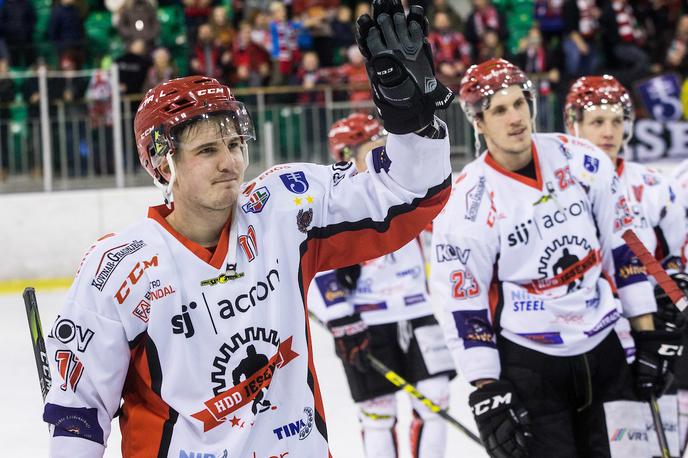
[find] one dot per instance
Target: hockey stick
(655, 269)
(400, 382)
(665, 282)
(37, 341)
(659, 427)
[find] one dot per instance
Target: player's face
(363, 150)
(506, 124)
(210, 167)
(604, 127)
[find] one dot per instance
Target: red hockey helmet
(350, 132)
(173, 104)
(482, 81)
(588, 92)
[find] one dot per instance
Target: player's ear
(478, 125)
(569, 128)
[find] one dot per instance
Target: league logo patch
(295, 182)
(256, 201)
(650, 180)
(591, 164)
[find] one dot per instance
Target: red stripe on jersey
(144, 413)
(353, 243)
(306, 273)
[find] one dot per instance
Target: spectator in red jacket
(308, 76)
(251, 59)
(451, 49)
(353, 73)
(196, 12)
(485, 18)
(209, 58)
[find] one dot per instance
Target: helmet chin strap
(244, 152)
(166, 189)
(576, 132)
(476, 138)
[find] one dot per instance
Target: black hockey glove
(347, 277)
(668, 316)
(502, 420)
(351, 340)
(400, 66)
(655, 353)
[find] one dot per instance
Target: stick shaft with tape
(655, 269)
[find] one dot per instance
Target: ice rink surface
(23, 433)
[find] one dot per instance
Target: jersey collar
(215, 258)
(619, 166)
(537, 183)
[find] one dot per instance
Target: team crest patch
(591, 164)
(650, 180)
(257, 200)
(304, 219)
(295, 182)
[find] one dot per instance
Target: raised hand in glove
(655, 352)
(351, 340)
(502, 420)
(400, 66)
(347, 277)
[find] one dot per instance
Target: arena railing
(71, 130)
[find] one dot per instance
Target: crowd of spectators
(249, 43)
(257, 43)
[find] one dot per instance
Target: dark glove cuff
(347, 325)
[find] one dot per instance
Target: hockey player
(171, 313)
(385, 301)
(680, 180)
(520, 262)
(600, 110)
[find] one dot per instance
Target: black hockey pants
(565, 395)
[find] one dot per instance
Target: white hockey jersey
(526, 258)
(391, 288)
(680, 185)
(658, 217)
(211, 352)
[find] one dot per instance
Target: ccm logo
(490, 404)
(212, 90)
(133, 278)
(670, 350)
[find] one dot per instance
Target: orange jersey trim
(537, 183)
(214, 257)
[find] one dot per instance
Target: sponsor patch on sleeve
(330, 290)
(629, 270)
(474, 328)
(74, 422)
